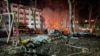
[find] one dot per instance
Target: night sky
(82, 7)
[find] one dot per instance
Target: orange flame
(54, 19)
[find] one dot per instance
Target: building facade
(25, 14)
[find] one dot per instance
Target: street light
(86, 20)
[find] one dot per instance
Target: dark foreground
(75, 47)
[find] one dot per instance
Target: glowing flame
(54, 19)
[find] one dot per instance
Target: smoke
(53, 4)
(55, 14)
(55, 19)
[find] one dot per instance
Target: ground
(58, 47)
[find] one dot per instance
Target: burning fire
(55, 19)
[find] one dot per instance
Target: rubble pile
(75, 47)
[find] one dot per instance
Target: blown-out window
(32, 23)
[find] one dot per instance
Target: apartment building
(24, 15)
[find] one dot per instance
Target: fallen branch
(83, 50)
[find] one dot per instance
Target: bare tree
(70, 20)
(34, 12)
(70, 16)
